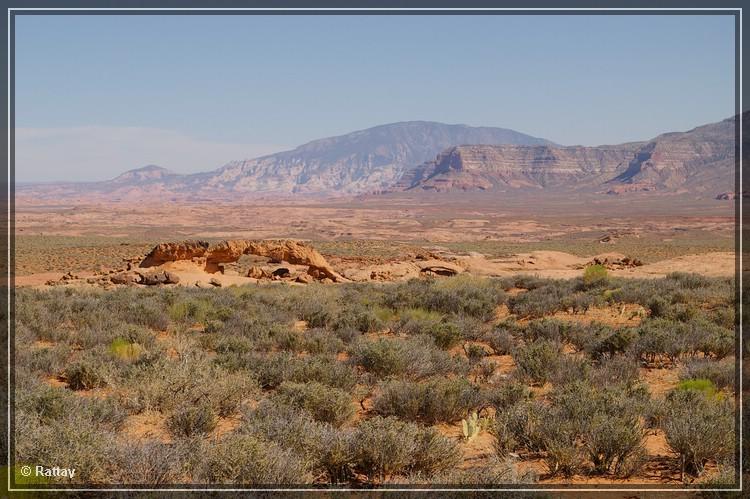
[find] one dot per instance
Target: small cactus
(471, 426)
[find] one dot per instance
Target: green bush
(595, 275)
(323, 402)
(705, 386)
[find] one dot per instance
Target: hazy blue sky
(96, 95)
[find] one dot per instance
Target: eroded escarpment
(213, 256)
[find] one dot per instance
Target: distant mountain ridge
(430, 156)
(700, 160)
(362, 161)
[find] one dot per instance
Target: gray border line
(382, 9)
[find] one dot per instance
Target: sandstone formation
(484, 167)
(213, 256)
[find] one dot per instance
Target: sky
(98, 95)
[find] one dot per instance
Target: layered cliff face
(700, 160)
(485, 167)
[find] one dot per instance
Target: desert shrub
(145, 313)
(325, 370)
(323, 402)
(721, 374)
(615, 443)
(605, 419)
(474, 352)
(620, 369)
(711, 339)
(517, 426)
(540, 301)
(609, 345)
(246, 459)
(434, 453)
(288, 426)
(698, 427)
(569, 369)
(529, 282)
(724, 317)
(432, 401)
(50, 361)
(384, 447)
(227, 390)
(500, 472)
(586, 337)
(704, 386)
(504, 396)
(189, 311)
(414, 357)
(86, 373)
(188, 420)
(689, 281)
(484, 370)
(462, 295)
(225, 344)
(271, 370)
(288, 340)
(580, 302)
(69, 439)
(537, 361)
(335, 454)
(45, 402)
(546, 329)
(500, 341)
(149, 462)
(100, 413)
(580, 421)
(659, 338)
(357, 316)
(317, 341)
(417, 320)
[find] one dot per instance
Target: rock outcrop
(212, 257)
(484, 167)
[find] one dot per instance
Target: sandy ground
(547, 264)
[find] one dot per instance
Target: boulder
(157, 278)
(124, 278)
(304, 278)
(258, 273)
(214, 282)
